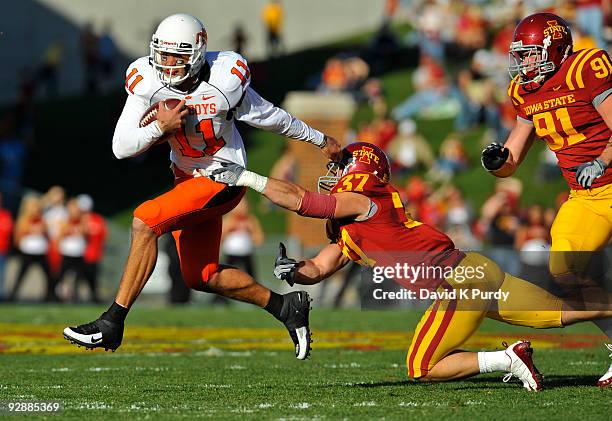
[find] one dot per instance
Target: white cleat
(522, 366)
(606, 379)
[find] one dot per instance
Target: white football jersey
(209, 135)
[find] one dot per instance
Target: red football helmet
(541, 42)
(357, 157)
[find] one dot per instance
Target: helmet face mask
(359, 157)
(540, 44)
(182, 36)
(529, 62)
(330, 179)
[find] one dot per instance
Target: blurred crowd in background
(461, 54)
(60, 237)
(462, 48)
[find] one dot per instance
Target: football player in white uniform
(214, 91)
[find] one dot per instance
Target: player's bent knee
(147, 214)
(140, 228)
(199, 279)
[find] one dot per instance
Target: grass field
(188, 362)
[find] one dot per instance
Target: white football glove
(588, 172)
(234, 174)
(229, 173)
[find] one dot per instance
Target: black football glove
(285, 267)
(588, 172)
(494, 156)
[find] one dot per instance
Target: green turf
(256, 384)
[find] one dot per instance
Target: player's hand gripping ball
(150, 115)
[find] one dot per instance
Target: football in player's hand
(150, 115)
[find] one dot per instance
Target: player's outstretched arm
(261, 113)
(502, 161)
(293, 197)
(311, 271)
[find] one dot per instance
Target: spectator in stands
(430, 21)
(6, 230)
(382, 49)
(500, 220)
(179, 292)
(283, 169)
(333, 78)
(90, 56)
(47, 74)
(351, 272)
(107, 52)
(54, 208)
(95, 226)
(72, 242)
(476, 92)
(532, 241)
(409, 150)
(374, 93)
(458, 212)
(345, 73)
(451, 160)
(357, 71)
(390, 9)
(430, 89)
(285, 166)
(241, 234)
(590, 19)
(16, 133)
(532, 228)
(421, 203)
(239, 39)
(272, 16)
(470, 29)
(32, 242)
(54, 214)
(379, 132)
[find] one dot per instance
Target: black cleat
(100, 333)
(296, 307)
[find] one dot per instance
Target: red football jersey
(6, 229)
(96, 235)
(563, 111)
(390, 236)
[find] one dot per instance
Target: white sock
(491, 361)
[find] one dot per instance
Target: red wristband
(317, 205)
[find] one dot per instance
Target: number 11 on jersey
(213, 144)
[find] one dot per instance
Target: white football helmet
(178, 34)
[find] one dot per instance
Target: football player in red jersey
(369, 225)
(564, 98)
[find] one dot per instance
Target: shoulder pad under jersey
(140, 78)
(592, 70)
(229, 72)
